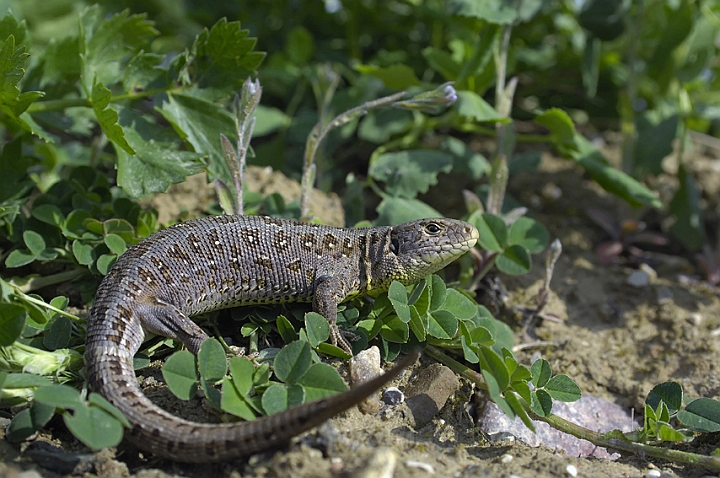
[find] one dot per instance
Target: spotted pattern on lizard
(225, 261)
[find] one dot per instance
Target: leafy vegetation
(101, 106)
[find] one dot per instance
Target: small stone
(664, 295)
(428, 394)
(571, 470)
(653, 474)
(638, 278)
(506, 458)
(421, 465)
(696, 319)
(651, 273)
(393, 396)
(381, 464)
(364, 367)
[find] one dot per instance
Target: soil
(614, 339)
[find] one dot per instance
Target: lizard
(218, 262)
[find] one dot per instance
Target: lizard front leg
(165, 319)
(328, 294)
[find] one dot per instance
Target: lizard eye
(432, 228)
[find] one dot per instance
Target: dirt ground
(614, 339)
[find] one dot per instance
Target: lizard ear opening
(394, 244)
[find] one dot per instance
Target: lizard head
(427, 245)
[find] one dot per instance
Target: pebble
(506, 458)
(571, 470)
(653, 474)
(429, 393)
(393, 396)
(381, 464)
(364, 367)
(420, 465)
(638, 278)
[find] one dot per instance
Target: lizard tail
(110, 372)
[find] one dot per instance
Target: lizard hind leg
(162, 318)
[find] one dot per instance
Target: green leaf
(495, 395)
(482, 336)
(417, 324)
(541, 372)
(115, 243)
(59, 396)
(200, 123)
(318, 329)
(407, 173)
(18, 258)
(269, 120)
(492, 11)
(442, 62)
(492, 229)
(656, 137)
(286, 330)
(321, 380)
(701, 415)
(57, 336)
(469, 352)
(12, 69)
(398, 297)
(97, 400)
(459, 305)
(49, 214)
(514, 402)
(180, 374)
(437, 292)
(212, 395)
(395, 210)
(222, 56)
(212, 361)
(541, 403)
(501, 332)
(471, 105)
(34, 242)
(29, 421)
(292, 362)
(669, 392)
(668, 433)
(562, 128)
(528, 233)
(380, 125)
(12, 322)
(395, 77)
(241, 371)
(108, 118)
(515, 260)
(563, 388)
(299, 46)
(105, 262)
(235, 402)
(94, 427)
(491, 362)
(442, 324)
(603, 18)
(155, 164)
(609, 178)
(278, 397)
(395, 330)
(144, 70)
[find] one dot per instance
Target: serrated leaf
(515, 260)
(222, 56)
(180, 374)
(154, 165)
(318, 329)
(293, 361)
(563, 388)
(541, 372)
(321, 380)
(108, 118)
(407, 173)
(212, 361)
(12, 69)
(278, 397)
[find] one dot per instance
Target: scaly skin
(225, 261)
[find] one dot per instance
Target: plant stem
(577, 431)
(35, 283)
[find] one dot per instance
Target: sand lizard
(223, 261)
